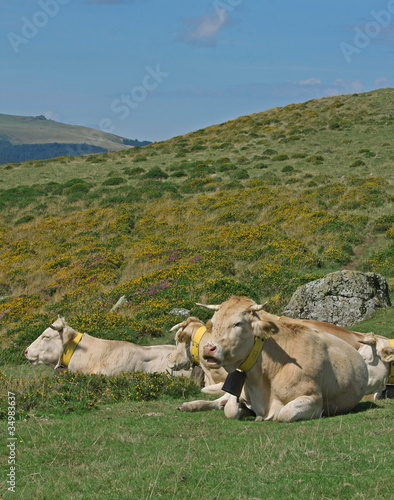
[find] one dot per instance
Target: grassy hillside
(255, 206)
(27, 137)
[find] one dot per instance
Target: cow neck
(253, 356)
(257, 348)
(69, 349)
(196, 343)
(235, 381)
(391, 375)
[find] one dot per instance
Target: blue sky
(155, 69)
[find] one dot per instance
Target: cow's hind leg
(301, 408)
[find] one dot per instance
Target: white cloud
(348, 85)
(204, 29)
(311, 81)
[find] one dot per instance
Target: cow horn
(212, 307)
(57, 328)
(257, 307)
(179, 325)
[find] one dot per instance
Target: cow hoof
(259, 419)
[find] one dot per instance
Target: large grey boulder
(180, 311)
(342, 298)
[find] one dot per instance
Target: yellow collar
(196, 342)
(245, 366)
(253, 355)
(69, 349)
(391, 376)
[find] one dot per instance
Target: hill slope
(35, 137)
(255, 206)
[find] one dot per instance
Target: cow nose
(209, 350)
(26, 352)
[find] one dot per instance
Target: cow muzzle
(32, 360)
(212, 355)
(177, 365)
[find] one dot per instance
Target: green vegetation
(77, 233)
(255, 206)
(74, 392)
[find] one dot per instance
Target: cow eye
(238, 323)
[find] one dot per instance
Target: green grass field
(256, 206)
(151, 450)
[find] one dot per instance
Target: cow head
(48, 348)
(377, 354)
(387, 354)
(180, 359)
(231, 332)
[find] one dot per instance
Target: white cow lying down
(99, 356)
(181, 358)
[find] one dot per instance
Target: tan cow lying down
(298, 375)
(99, 356)
(375, 350)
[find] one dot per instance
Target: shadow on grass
(364, 406)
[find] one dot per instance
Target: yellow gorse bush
(171, 252)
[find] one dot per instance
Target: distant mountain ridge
(36, 138)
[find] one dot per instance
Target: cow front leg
(237, 409)
(301, 408)
(213, 389)
(201, 405)
(232, 408)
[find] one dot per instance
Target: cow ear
(387, 354)
(181, 336)
(68, 334)
(264, 329)
(369, 339)
(60, 324)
